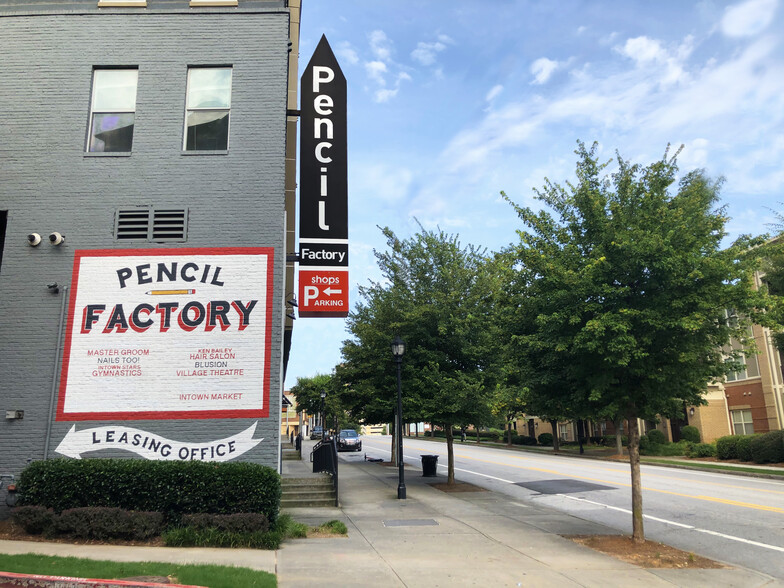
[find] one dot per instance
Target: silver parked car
(348, 440)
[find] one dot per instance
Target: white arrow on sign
(152, 446)
(331, 291)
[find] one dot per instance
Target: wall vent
(159, 225)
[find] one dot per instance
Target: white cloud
(643, 50)
(375, 71)
(380, 45)
(346, 53)
(748, 18)
(651, 54)
(426, 53)
(386, 94)
(494, 92)
(542, 69)
(717, 108)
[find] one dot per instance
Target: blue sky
(452, 101)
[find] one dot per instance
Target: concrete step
(325, 480)
(315, 493)
(305, 503)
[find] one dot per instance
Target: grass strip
(200, 575)
(715, 466)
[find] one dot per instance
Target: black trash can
(429, 465)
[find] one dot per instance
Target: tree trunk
(581, 434)
(450, 456)
(618, 437)
(509, 434)
(556, 439)
(477, 436)
(638, 533)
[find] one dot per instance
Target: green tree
(626, 289)
(509, 403)
(308, 394)
(434, 294)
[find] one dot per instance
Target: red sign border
(167, 415)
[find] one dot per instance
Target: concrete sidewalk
(430, 539)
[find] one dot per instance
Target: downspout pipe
(53, 393)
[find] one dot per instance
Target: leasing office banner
(168, 334)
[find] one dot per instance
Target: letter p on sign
(310, 293)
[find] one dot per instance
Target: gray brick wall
(47, 183)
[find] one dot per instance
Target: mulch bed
(457, 487)
(9, 531)
(648, 554)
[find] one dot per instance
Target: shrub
(768, 447)
(727, 447)
(34, 519)
(108, 523)
(656, 436)
(334, 526)
(701, 450)
(598, 440)
(744, 447)
(211, 537)
(645, 444)
(611, 440)
(234, 523)
(690, 433)
(171, 487)
(668, 449)
(524, 440)
(545, 439)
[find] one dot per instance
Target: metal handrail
(325, 459)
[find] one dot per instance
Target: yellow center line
(670, 492)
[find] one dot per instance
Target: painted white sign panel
(155, 447)
(168, 334)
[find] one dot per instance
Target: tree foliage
(622, 292)
(434, 295)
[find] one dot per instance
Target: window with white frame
(750, 363)
(112, 110)
(207, 109)
(742, 423)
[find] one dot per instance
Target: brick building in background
(147, 178)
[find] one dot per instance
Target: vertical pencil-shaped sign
(323, 212)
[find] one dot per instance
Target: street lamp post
(398, 349)
(323, 420)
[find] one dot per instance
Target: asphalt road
(735, 519)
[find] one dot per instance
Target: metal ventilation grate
(168, 225)
(133, 224)
(151, 224)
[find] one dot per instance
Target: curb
(37, 581)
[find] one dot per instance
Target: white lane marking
(483, 475)
(673, 523)
(749, 541)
